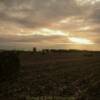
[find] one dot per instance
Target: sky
(54, 24)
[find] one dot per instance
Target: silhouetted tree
(34, 49)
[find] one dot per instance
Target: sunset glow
(60, 24)
(45, 32)
(83, 2)
(80, 40)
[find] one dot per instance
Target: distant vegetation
(49, 75)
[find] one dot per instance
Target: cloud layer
(78, 18)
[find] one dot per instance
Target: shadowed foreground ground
(60, 75)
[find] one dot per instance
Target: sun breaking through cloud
(50, 23)
(79, 40)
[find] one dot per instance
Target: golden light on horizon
(49, 32)
(45, 32)
(84, 2)
(79, 40)
(50, 24)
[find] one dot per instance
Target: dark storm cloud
(93, 20)
(94, 16)
(34, 39)
(24, 22)
(37, 13)
(32, 15)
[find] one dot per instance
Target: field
(50, 75)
